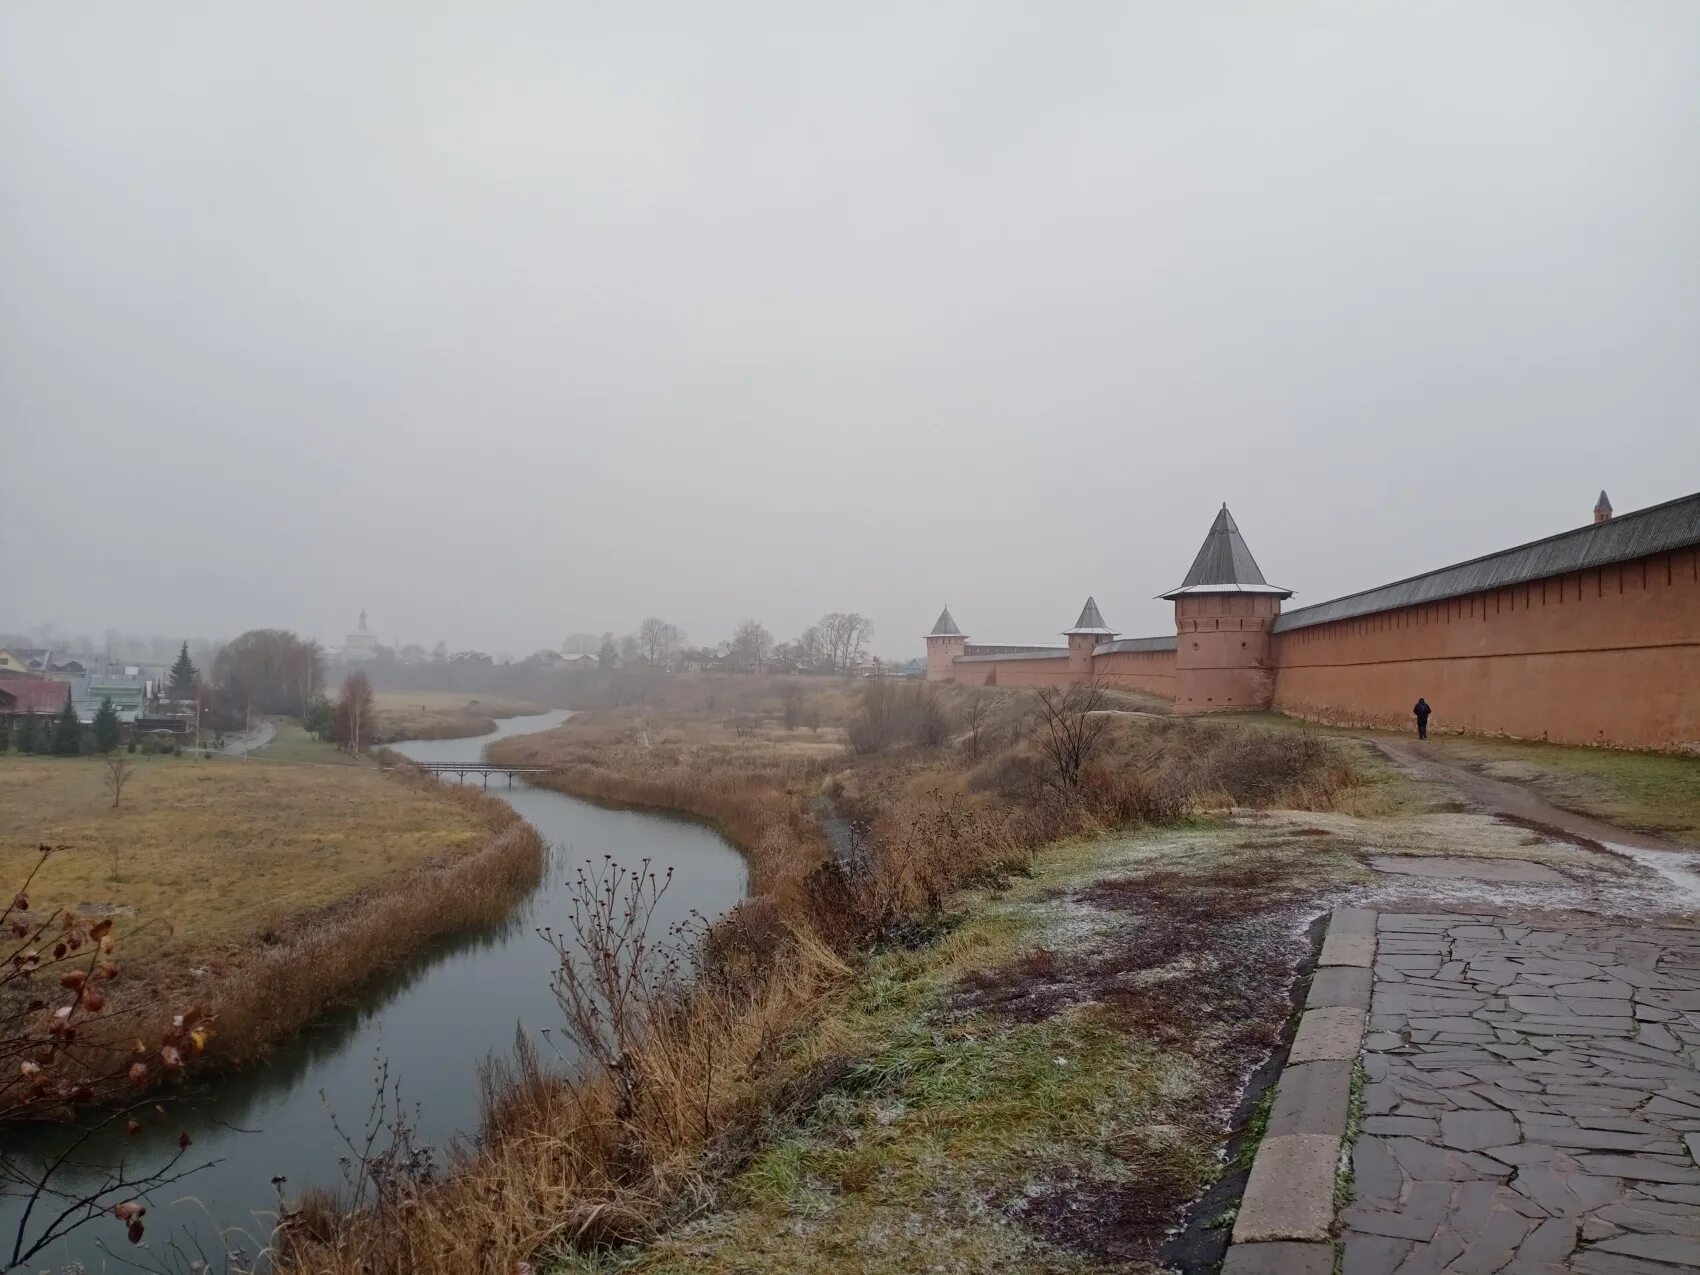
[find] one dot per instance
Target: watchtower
(1088, 631)
(944, 644)
(1223, 613)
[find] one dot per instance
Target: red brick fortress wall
(1603, 656)
(1012, 670)
(1150, 671)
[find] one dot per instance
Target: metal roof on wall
(1136, 644)
(1656, 529)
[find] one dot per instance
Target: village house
(26, 696)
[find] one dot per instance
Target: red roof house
(32, 695)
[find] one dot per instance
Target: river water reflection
(434, 1022)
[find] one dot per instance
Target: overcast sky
(503, 321)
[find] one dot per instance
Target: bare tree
(811, 649)
(1068, 729)
(842, 635)
(271, 668)
(356, 711)
(974, 717)
(118, 773)
(659, 641)
(750, 646)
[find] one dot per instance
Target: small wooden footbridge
(481, 769)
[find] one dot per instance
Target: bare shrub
(1068, 729)
(922, 847)
(931, 724)
(893, 713)
(63, 1048)
(1015, 775)
(613, 981)
(1235, 764)
(119, 770)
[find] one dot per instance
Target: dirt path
(1502, 797)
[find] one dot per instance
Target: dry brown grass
(442, 714)
(565, 1164)
(264, 892)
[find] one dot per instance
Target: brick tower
(944, 644)
(1088, 631)
(1223, 612)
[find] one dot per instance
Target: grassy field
(442, 714)
(213, 865)
(1648, 792)
(292, 743)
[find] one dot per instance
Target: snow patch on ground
(1680, 873)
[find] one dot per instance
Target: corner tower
(1223, 612)
(1088, 631)
(944, 644)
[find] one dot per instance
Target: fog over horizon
(504, 322)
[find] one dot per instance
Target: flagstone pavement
(1532, 1100)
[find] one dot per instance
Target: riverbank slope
(442, 714)
(263, 892)
(776, 1027)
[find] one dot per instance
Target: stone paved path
(1533, 1100)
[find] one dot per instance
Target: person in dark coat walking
(1422, 710)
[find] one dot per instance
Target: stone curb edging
(1286, 1215)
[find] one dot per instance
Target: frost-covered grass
(1061, 1133)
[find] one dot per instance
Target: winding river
(433, 1023)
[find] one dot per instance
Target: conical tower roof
(945, 626)
(1224, 564)
(1091, 620)
(1603, 505)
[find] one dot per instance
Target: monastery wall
(1597, 642)
(1603, 656)
(1150, 671)
(1013, 670)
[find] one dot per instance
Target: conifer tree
(183, 675)
(67, 732)
(106, 727)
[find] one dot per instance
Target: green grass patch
(1651, 792)
(292, 743)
